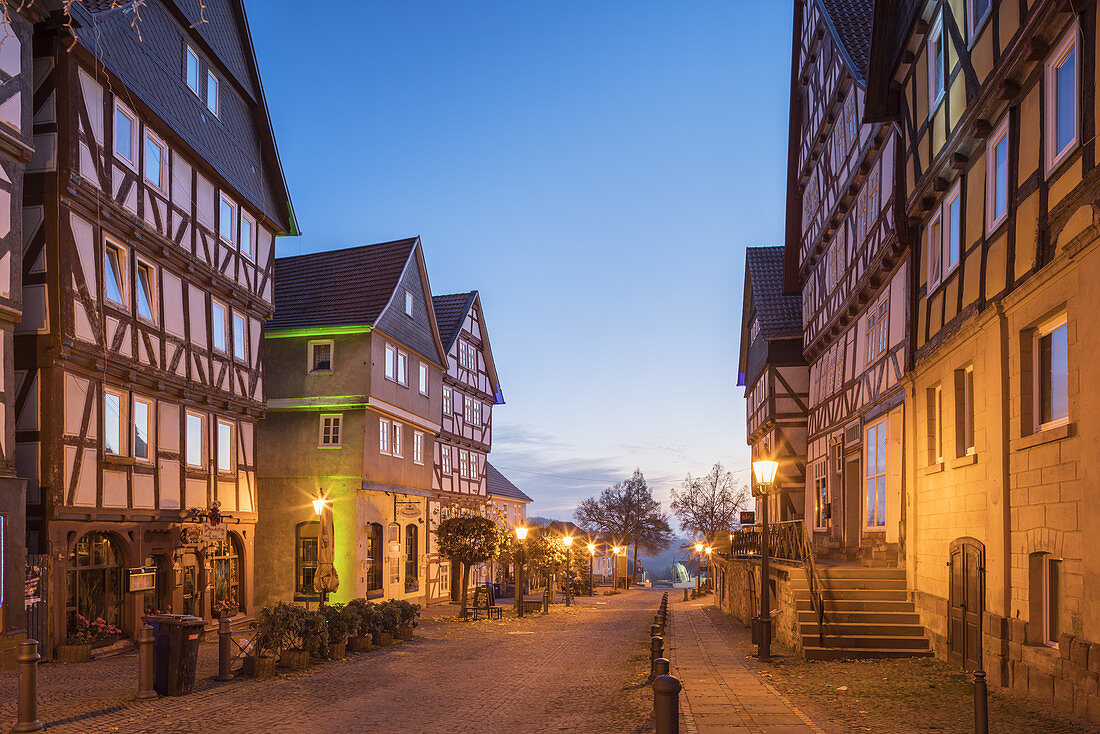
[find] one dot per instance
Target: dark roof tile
(851, 22)
(499, 486)
(450, 313)
(780, 313)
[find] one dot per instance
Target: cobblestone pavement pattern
(722, 695)
(891, 696)
(578, 669)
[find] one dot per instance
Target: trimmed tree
(468, 540)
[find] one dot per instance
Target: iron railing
(787, 541)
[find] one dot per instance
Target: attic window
(408, 304)
(191, 73)
(212, 93)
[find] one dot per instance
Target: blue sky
(594, 169)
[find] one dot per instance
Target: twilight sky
(595, 169)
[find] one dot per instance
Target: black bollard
(981, 703)
(654, 630)
(666, 704)
(225, 641)
(660, 666)
(147, 670)
(685, 594)
(28, 658)
(656, 648)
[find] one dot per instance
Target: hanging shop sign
(408, 509)
(214, 532)
(142, 578)
(191, 534)
(748, 518)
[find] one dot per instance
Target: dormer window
(126, 134)
(212, 93)
(408, 304)
(191, 72)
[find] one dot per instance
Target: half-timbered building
(355, 388)
(775, 376)
(470, 391)
(149, 216)
(15, 153)
(844, 256)
(997, 107)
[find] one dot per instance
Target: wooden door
(966, 603)
(853, 502)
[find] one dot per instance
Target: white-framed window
(191, 70)
(964, 411)
(1051, 370)
(240, 338)
(402, 368)
(877, 329)
(391, 363)
(445, 577)
(418, 447)
(976, 13)
(875, 449)
(1062, 83)
(408, 304)
(146, 290)
(395, 443)
(220, 325)
(126, 135)
(141, 439)
(114, 273)
(996, 177)
(448, 401)
(937, 65)
(248, 235)
(320, 357)
(463, 464)
(468, 409)
(944, 237)
(212, 93)
(225, 447)
(384, 434)
(1052, 599)
(423, 378)
(467, 354)
(445, 459)
(156, 162)
(114, 418)
(195, 439)
(227, 222)
(331, 425)
(934, 410)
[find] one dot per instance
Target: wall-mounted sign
(408, 509)
(748, 518)
(191, 535)
(214, 533)
(142, 579)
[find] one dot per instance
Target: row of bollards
(666, 688)
(29, 657)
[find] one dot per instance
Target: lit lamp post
(709, 579)
(521, 558)
(764, 470)
(615, 566)
(325, 573)
(591, 565)
(567, 540)
(698, 565)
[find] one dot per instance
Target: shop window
(95, 579)
(305, 558)
(374, 557)
(227, 575)
(412, 559)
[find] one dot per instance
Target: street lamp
(698, 569)
(764, 470)
(709, 579)
(615, 566)
(521, 557)
(568, 541)
(591, 566)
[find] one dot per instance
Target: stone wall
(737, 593)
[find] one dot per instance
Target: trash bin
(176, 652)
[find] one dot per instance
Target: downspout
(1006, 516)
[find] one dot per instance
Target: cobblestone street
(581, 669)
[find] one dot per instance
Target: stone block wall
(737, 593)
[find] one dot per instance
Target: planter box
(294, 659)
(259, 667)
(381, 639)
(405, 633)
(337, 651)
(74, 653)
(359, 644)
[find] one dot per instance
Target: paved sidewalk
(721, 694)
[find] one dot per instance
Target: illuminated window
(1061, 86)
(821, 495)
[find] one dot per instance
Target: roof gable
(850, 22)
(419, 332)
(451, 311)
(498, 485)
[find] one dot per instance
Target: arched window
(305, 556)
(227, 574)
(95, 579)
(374, 557)
(412, 559)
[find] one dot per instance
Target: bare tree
(628, 513)
(707, 506)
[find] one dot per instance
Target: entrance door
(192, 594)
(853, 506)
(966, 603)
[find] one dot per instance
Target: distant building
(507, 498)
(355, 386)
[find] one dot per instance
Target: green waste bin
(176, 652)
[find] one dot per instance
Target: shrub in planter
(226, 608)
(360, 615)
(314, 634)
(291, 633)
(407, 616)
(390, 611)
(339, 623)
(82, 634)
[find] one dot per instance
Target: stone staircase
(867, 615)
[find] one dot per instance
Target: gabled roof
(780, 313)
(893, 22)
(239, 145)
(498, 485)
(850, 22)
(450, 312)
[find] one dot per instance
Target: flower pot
(360, 644)
(406, 632)
(337, 651)
(74, 653)
(381, 639)
(294, 659)
(259, 667)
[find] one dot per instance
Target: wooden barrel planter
(74, 653)
(337, 651)
(360, 644)
(381, 639)
(262, 666)
(294, 659)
